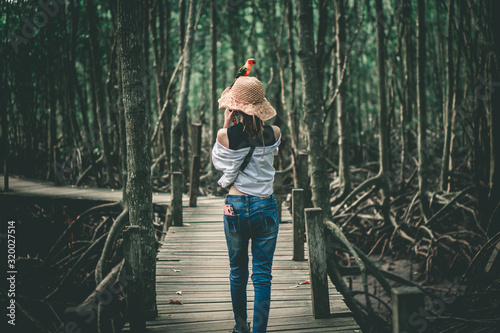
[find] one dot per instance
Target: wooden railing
(406, 301)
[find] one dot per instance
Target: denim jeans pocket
(269, 218)
(232, 223)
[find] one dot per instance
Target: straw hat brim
(262, 109)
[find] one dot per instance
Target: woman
(250, 210)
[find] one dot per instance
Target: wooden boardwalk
(193, 268)
(39, 189)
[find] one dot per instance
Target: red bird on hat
(244, 70)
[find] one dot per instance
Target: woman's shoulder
(277, 132)
(222, 137)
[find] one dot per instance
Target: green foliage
(246, 28)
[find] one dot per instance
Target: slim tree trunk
(422, 112)
(84, 107)
(159, 48)
(52, 138)
(111, 83)
(70, 58)
(234, 34)
(4, 95)
(311, 107)
(181, 114)
(293, 115)
(139, 190)
(323, 13)
(407, 102)
(167, 69)
(448, 103)
(455, 104)
(493, 209)
(182, 24)
(99, 92)
(383, 143)
(342, 116)
(145, 45)
(122, 132)
(213, 84)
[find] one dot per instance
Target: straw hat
(247, 96)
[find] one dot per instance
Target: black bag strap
(247, 158)
(243, 165)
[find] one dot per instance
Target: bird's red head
(250, 61)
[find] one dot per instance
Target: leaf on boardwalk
(305, 282)
(179, 292)
(176, 270)
(174, 302)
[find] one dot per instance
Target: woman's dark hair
(252, 125)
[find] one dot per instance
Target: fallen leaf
(305, 282)
(179, 292)
(176, 270)
(175, 302)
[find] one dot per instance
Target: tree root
(366, 184)
(32, 319)
(356, 292)
(108, 208)
(434, 219)
(73, 269)
(91, 303)
(94, 165)
(160, 159)
(341, 237)
(479, 255)
(349, 299)
(120, 222)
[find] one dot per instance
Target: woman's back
(239, 139)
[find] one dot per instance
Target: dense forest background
(388, 106)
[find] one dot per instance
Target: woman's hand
(228, 117)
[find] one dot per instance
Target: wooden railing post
(302, 171)
(278, 191)
(298, 224)
(194, 174)
(196, 139)
(303, 179)
(406, 301)
(317, 262)
(177, 198)
(195, 180)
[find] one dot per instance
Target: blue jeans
(255, 219)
